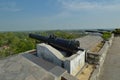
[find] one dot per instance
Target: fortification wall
(72, 64)
(75, 63)
(102, 53)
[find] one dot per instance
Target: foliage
(106, 35)
(66, 34)
(116, 31)
(16, 42)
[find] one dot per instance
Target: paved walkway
(111, 67)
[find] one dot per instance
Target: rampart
(102, 55)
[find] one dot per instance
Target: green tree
(106, 35)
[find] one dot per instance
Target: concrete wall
(72, 64)
(102, 53)
(77, 63)
(48, 53)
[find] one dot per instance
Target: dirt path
(111, 67)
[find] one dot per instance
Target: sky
(18, 15)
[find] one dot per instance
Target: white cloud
(87, 5)
(9, 6)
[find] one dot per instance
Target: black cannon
(70, 46)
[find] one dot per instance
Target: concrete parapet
(72, 64)
(50, 54)
(102, 54)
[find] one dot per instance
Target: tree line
(16, 42)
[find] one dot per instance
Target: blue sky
(58, 14)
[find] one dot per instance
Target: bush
(116, 31)
(106, 35)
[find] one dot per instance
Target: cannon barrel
(71, 46)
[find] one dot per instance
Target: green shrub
(116, 31)
(106, 35)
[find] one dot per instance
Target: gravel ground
(111, 67)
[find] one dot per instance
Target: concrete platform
(89, 41)
(20, 68)
(26, 66)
